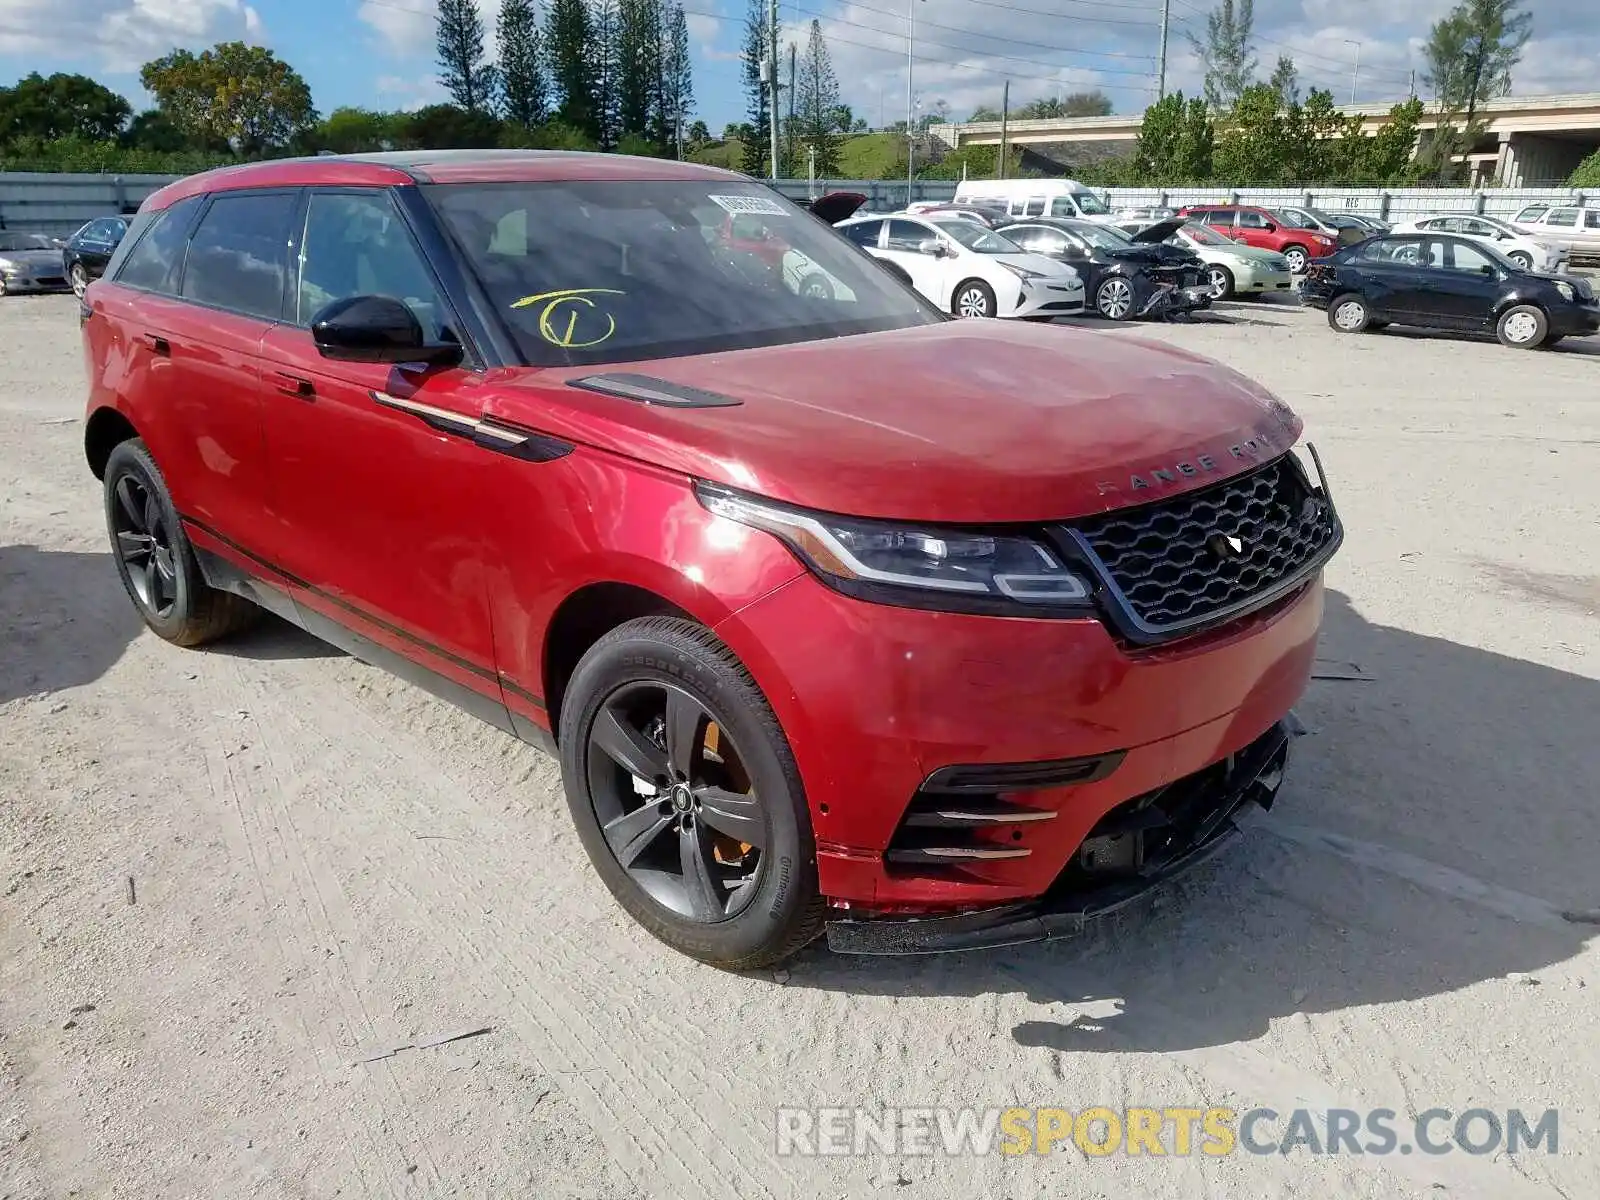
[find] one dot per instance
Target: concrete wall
(59, 203)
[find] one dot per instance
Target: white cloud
(122, 34)
(407, 92)
(404, 27)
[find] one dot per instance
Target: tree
(1588, 173)
(1226, 55)
(356, 130)
(638, 62)
(1471, 51)
(568, 37)
(466, 74)
(817, 103)
(757, 46)
(523, 85)
(842, 118)
(605, 54)
(154, 131)
(699, 133)
(1286, 80)
(61, 106)
(1079, 104)
(447, 127)
(1176, 141)
(677, 93)
(234, 94)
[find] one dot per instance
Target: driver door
(377, 510)
(903, 247)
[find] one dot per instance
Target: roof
(433, 166)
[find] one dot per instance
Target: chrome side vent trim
(952, 854)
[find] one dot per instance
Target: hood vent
(646, 389)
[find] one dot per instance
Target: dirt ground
(226, 876)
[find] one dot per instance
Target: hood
(837, 206)
(958, 421)
(1042, 263)
(1253, 253)
(34, 258)
(1157, 254)
(1160, 231)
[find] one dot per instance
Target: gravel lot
(327, 863)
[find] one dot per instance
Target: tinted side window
(863, 234)
(907, 235)
(1035, 207)
(1252, 220)
(355, 244)
(236, 257)
(149, 264)
(1063, 206)
(1564, 217)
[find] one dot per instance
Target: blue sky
(378, 53)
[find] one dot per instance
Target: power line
(1338, 62)
(994, 36)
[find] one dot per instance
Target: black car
(1446, 282)
(90, 249)
(1124, 275)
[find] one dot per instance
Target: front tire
(1220, 280)
(1522, 327)
(973, 298)
(1349, 314)
(686, 795)
(1298, 259)
(1523, 259)
(79, 278)
(1113, 299)
(155, 560)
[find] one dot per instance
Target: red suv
(1266, 230)
(836, 609)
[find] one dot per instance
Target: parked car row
(37, 262)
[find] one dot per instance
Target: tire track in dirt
(584, 967)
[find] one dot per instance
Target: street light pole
(911, 143)
(1355, 75)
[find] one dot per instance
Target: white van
(1035, 197)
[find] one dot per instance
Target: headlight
(1022, 272)
(7, 267)
(911, 565)
(1566, 291)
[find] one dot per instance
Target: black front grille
(1180, 563)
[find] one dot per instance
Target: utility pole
(772, 60)
(1413, 83)
(1355, 75)
(1161, 73)
(911, 117)
(1005, 119)
(788, 133)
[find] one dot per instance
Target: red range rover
(838, 611)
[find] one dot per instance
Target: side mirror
(376, 329)
(1488, 270)
(1271, 227)
(931, 246)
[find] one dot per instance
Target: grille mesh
(1169, 563)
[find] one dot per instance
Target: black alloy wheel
(674, 802)
(144, 545)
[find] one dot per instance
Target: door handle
(295, 385)
(158, 344)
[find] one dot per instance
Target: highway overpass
(1527, 140)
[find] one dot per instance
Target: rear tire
(1348, 313)
(154, 559)
(1523, 259)
(637, 797)
(1522, 327)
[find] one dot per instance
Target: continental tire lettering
(561, 311)
(784, 871)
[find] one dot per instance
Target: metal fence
(59, 203)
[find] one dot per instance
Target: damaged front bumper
(1158, 842)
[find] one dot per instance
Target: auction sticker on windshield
(764, 205)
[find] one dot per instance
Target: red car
(836, 610)
(1266, 230)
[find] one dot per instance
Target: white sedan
(967, 269)
(1526, 251)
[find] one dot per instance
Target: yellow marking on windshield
(563, 302)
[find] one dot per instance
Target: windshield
(1103, 237)
(1090, 204)
(976, 238)
(1205, 236)
(584, 272)
(25, 241)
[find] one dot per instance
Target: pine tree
(568, 34)
(638, 61)
(1471, 51)
(522, 77)
(818, 103)
(465, 73)
(678, 90)
(1230, 64)
(757, 45)
(606, 59)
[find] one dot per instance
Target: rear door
(903, 247)
(1393, 276)
(378, 498)
(203, 340)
